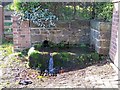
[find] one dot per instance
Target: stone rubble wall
(75, 32)
(25, 36)
(100, 36)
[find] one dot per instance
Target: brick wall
(21, 34)
(1, 24)
(114, 35)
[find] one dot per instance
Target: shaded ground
(95, 76)
(76, 50)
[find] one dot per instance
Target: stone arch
(45, 43)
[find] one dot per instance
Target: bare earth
(100, 75)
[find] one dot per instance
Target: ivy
(40, 16)
(45, 14)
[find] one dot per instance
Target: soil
(75, 50)
(17, 70)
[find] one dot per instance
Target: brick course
(113, 52)
(21, 34)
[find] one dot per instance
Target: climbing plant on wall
(45, 14)
(39, 15)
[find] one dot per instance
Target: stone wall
(72, 33)
(1, 24)
(114, 34)
(25, 36)
(100, 36)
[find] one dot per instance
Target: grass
(6, 48)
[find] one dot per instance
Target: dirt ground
(96, 76)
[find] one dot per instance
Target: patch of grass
(6, 48)
(3, 66)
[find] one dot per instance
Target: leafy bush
(104, 11)
(35, 12)
(37, 46)
(41, 17)
(87, 59)
(58, 62)
(20, 54)
(38, 60)
(95, 56)
(62, 59)
(34, 57)
(88, 10)
(52, 45)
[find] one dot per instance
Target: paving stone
(114, 86)
(108, 84)
(114, 82)
(89, 88)
(103, 88)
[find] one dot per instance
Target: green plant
(20, 54)
(64, 59)
(37, 46)
(61, 44)
(34, 58)
(38, 60)
(7, 49)
(25, 51)
(65, 56)
(52, 45)
(104, 11)
(80, 60)
(35, 12)
(9, 7)
(58, 62)
(88, 10)
(82, 45)
(95, 57)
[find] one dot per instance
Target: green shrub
(64, 56)
(80, 60)
(20, 54)
(58, 62)
(37, 46)
(25, 51)
(52, 45)
(34, 57)
(61, 45)
(62, 59)
(95, 57)
(38, 60)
